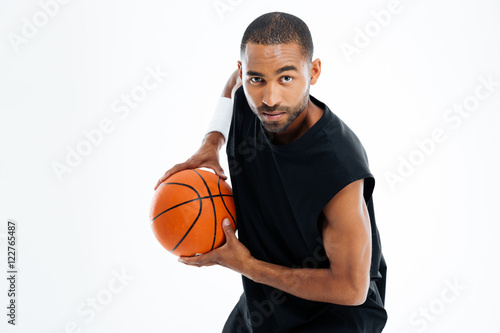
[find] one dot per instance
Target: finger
(197, 263)
(158, 183)
(219, 171)
(215, 166)
(228, 230)
(176, 168)
(201, 260)
(161, 180)
(194, 261)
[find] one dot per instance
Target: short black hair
(279, 28)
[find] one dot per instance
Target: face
(276, 80)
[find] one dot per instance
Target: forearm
(221, 118)
(345, 284)
(214, 140)
(231, 83)
(315, 284)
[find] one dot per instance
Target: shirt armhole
(369, 185)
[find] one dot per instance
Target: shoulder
(242, 117)
(242, 114)
(240, 103)
(337, 141)
(339, 157)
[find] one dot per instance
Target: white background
(439, 224)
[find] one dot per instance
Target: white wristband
(221, 118)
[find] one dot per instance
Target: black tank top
(280, 192)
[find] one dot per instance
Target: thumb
(228, 230)
(220, 172)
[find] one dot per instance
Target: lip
(273, 116)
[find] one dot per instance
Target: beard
(291, 113)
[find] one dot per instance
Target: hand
(233, 254)
(206, 156)
(237, 83)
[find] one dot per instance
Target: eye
(255, 79)
(287, 79)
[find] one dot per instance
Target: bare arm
(233, 83)
(208, 154)
(347, 240)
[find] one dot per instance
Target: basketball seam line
(222, 198)
(196, 220)
(213, 206)
(185, 202)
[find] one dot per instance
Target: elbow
(355, 292)
(358, 297)
(355, 297)
(359, 292)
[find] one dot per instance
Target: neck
(311, 114)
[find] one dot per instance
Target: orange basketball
(187, 212)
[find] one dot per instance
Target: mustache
(266, 108)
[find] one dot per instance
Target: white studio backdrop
(99, 98)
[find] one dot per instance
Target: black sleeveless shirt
(280, 192)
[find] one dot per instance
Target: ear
(315, 70)
(240, 68)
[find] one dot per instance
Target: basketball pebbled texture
(187, 211)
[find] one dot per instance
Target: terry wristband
(221, 118)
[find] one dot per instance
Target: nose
(271, 95)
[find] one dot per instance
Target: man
(308, 248)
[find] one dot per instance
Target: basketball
(188, 209)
